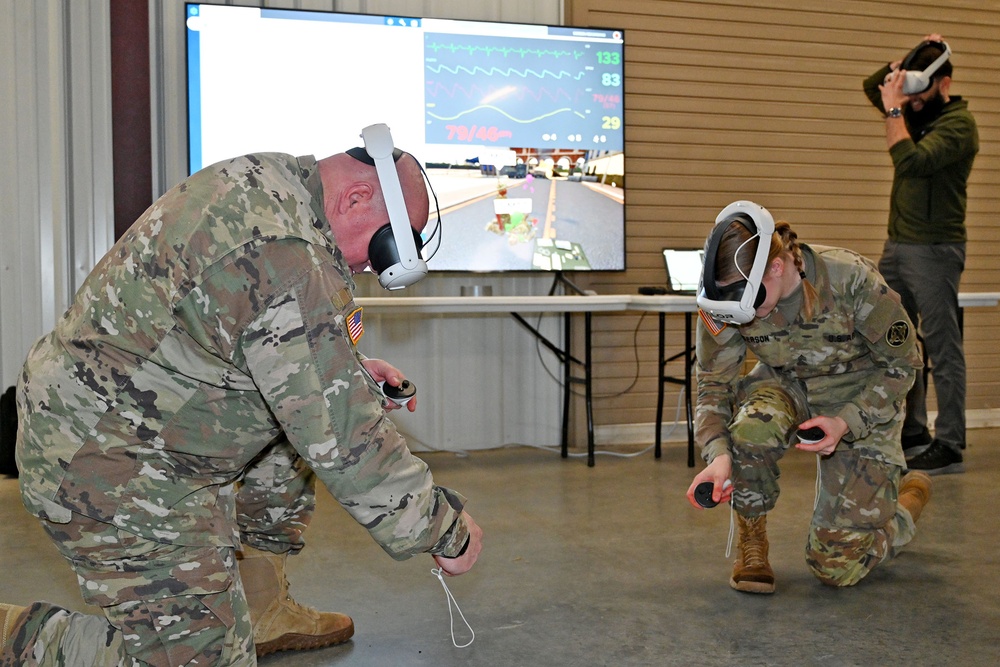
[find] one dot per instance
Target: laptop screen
(683, 269)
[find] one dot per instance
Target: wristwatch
(895, 112)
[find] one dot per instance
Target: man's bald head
(355, 205)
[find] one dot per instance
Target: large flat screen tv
(519, 126)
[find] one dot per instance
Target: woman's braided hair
(784, 241)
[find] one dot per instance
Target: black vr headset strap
(361, 155)
(912, 55)
(709, 281)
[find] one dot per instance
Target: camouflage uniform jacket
(856, 358)
(216, 325)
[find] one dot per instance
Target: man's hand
(456, 566)
(382, 370)
(893, 96)
(892, 90)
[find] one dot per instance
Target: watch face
(895, 112)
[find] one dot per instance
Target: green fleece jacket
(931, 172)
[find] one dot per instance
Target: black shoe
(938, 459)
(916, 444)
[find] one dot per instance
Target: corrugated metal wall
(55, 178)
(761, 99)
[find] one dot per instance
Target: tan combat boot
(915, 492)
(279, 622)
(9, 616)
(751, 571)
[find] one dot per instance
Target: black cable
(635, 354)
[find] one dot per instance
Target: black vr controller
(703, 493)
(810, 436)
(400, 395)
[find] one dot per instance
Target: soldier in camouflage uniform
(174, 423)
(834, 349)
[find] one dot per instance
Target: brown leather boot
(751, 571)
(915, 492)
(9, 616)
(279, 622)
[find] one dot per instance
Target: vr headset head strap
(394, 250)
(917, 82)
(711, 297)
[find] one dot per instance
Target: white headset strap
(379, 145)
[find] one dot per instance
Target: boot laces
(752, 543)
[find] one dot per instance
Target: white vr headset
(917, 82)
(737, 303)
(394, 249)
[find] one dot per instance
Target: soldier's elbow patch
(897, 333)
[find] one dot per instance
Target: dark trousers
(927, 276)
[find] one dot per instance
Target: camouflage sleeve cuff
(856, 429)
(714, 448)
(455, 540)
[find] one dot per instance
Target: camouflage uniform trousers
(166, 604)
(856, 522)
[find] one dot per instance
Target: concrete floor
(611, 566)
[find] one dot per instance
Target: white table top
(493, 304)
(668, 303)
(973, 299)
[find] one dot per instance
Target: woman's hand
(717, 472)
(835, 428)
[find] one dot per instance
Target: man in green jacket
(932, 140)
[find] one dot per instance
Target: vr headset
(917, 82)
(737, 303)
(394, 249)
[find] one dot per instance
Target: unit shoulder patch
(897, 333)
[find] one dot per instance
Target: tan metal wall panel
(762, 100)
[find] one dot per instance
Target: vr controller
(400, 395)
(703, 493)
(810, 436)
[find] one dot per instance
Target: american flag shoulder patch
(714, 327)
(355, 328)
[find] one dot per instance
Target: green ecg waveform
(524, 73)
(505, 50)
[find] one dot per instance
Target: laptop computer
(683, 267)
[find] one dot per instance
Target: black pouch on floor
(8, 432)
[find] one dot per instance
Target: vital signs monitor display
(520, 126)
